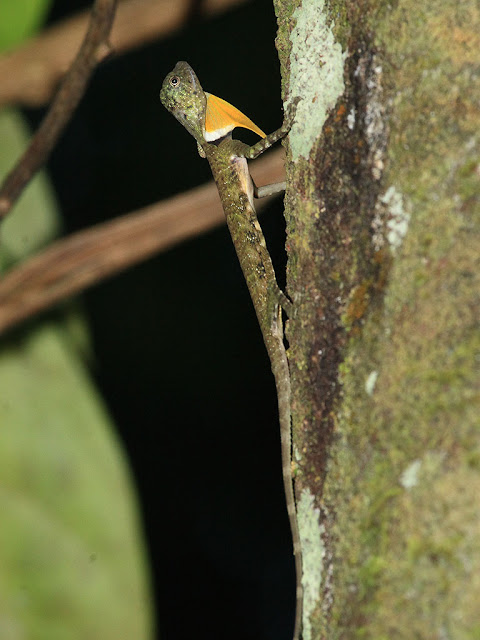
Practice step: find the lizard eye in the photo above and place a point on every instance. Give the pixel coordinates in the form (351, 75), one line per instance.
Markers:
(174, 81)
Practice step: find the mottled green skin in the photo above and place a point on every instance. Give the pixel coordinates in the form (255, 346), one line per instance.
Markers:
(184, 98)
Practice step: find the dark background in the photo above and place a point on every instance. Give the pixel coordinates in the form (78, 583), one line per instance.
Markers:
(178, 355)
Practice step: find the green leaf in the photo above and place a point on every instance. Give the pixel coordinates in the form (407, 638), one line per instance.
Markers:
(71, 550)
(34, 221)
(19, 19)
(72, 562)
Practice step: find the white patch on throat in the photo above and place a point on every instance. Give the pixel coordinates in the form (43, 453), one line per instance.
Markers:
(211, 136)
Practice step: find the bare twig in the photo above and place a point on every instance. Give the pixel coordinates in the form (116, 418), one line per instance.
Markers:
(94, 47)
(87, 257)
(29, 75)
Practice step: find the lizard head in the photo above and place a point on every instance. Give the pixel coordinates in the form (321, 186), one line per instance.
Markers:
(183, 96)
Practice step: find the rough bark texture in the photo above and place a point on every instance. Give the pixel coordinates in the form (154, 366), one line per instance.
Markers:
(384, 268)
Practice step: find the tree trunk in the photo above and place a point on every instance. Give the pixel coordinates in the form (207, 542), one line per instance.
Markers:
(383, 240)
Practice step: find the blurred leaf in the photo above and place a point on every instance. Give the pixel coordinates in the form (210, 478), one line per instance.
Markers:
(19, 19)
(71, 549)
(34, 221)
(70, 545)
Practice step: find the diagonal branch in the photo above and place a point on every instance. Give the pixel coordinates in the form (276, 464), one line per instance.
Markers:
(30, 74)
(94, 48)
(87, 257)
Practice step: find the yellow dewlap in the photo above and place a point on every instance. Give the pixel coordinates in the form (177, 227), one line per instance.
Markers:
(222, 117)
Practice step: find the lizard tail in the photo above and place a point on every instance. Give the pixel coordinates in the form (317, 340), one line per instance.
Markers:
(282, 382)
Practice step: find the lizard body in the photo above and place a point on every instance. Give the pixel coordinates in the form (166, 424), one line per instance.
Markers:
(211, 122)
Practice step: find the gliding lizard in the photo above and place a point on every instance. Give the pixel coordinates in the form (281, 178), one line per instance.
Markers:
(211, 120)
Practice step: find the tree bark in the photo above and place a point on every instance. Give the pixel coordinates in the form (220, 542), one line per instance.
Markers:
(383, 238)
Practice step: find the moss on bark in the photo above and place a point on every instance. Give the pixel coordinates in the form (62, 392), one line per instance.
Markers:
(383, 238)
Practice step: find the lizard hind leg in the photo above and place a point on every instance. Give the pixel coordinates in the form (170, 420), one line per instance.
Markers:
(284, 302)
(278, 301)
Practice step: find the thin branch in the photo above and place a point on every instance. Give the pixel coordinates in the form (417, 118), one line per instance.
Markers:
(30, 74)
(94, 47)
(87, 257)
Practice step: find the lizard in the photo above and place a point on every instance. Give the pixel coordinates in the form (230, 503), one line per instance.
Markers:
(211, 120)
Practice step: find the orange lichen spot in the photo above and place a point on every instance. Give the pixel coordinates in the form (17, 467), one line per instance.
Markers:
(341, 111)
(358, 303)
